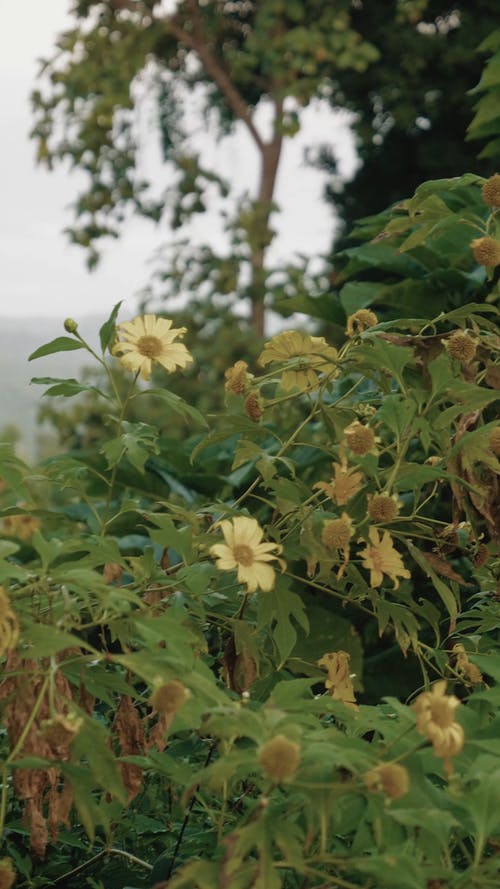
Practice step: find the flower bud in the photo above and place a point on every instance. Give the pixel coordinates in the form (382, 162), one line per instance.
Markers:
(389, 778)
(7, 873)
(170, 697)
(70, 325)
(279, 759)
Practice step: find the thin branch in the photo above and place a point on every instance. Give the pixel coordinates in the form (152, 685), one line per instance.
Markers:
(198, 42)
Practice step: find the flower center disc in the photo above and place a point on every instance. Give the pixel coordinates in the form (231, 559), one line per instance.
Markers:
(243, 555)
(149, 346)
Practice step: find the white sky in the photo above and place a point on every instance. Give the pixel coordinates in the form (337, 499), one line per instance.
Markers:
(40, 274)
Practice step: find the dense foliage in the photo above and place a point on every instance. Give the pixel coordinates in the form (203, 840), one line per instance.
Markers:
(264, 653)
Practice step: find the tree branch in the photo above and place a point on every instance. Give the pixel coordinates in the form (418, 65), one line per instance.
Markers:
(199, 44)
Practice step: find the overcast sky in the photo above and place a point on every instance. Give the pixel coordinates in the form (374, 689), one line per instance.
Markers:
(40, 273)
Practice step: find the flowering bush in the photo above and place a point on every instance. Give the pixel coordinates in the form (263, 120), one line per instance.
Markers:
(267, 656)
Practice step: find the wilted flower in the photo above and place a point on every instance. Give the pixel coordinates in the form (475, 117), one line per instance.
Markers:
(336, 533)
(491, 191)
(464, 666)
(237, 378)
(22, 526)
(360, 321)
(389, 778)
(339, 680)
(9, 627)
(461, 346)
(360, 439)
(381, 558)
(346, 483)
(279, 759)
(382, 507)
(60, 730)
(169, 697)
(253, 407)
(147, 339)
(486, 251)
(435, 719)
(315, 354)
(244, 551)
(494, 440)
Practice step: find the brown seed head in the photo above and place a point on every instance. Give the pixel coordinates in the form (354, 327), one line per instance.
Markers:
(491, 191)
(389, 778)
(253, 407)
(461, 346)
(382, 508)
(170, 697)
(360, 439)
(486, 251)
(360, 321)
(494, 440)
(279, 759)
(336, 533)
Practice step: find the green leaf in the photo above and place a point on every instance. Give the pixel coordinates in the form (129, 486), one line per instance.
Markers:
(65, 387)
(91, 745)
(60, 344)
(444, 592)
(275, 610)
(397, 413)
(45, 641)
(106, 331)
(177, 404)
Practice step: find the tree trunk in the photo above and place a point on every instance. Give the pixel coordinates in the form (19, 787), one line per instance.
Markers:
(270, 158)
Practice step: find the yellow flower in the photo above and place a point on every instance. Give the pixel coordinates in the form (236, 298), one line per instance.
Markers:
(169, 697)
(360, 439)
(279, 759)
(346, 482)
(9, 627)
(244, 551)
(21, 526)
(389, 778)
(491, 191)
(315, 355)
(382, 507)
(435, 719)
(360, 321)
(237, 378)
(486, 251)
(147, 339)
(339, 681)
(381, 558)
(461, 346)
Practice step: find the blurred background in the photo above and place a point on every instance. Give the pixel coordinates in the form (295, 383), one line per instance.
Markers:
(359, 134)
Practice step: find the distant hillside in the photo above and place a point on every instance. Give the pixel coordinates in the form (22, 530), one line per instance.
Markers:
(19, 400)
